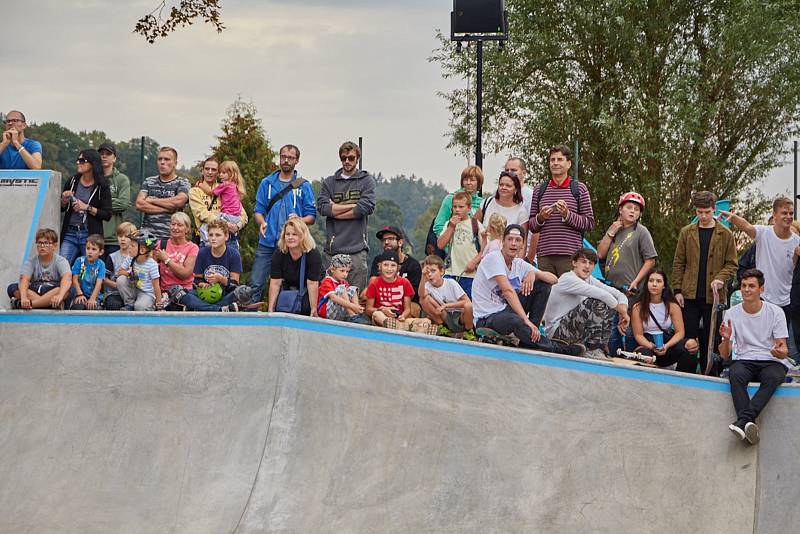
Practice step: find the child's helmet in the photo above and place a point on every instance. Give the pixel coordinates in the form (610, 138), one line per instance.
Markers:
(147, 239)
(211, 293)
(631, 196)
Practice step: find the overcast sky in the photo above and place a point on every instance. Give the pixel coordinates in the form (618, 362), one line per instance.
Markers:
(320, 72)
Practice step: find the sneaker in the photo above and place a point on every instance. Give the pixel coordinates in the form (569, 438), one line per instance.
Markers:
(176, 293)
(572, 349)
(469, 335)
(127, 307)
(442, 330)
(232, 307)
(751, 433)
(596, 354)
(737, 431)
(243, 294)
(15, 304)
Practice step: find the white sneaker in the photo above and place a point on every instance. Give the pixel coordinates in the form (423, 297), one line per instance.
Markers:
(737, 431)
(596, 354)
(751, 433)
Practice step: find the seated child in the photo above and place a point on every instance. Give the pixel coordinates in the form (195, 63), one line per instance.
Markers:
(138, 279)
(461, 238)
(443, 300)
(494, 233)
(44, 280)
(128, 248)
(389, 298)
(338, 300)
(88, 273)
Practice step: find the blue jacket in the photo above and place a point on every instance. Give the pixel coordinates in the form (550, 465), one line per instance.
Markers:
(300, 202)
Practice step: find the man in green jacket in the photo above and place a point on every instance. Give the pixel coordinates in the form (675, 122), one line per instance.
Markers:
(120, 186)
(705, 258)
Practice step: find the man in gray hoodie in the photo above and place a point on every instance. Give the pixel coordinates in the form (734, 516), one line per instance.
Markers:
(346, 199)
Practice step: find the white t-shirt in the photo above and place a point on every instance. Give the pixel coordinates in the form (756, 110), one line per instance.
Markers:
(449, 291)
(570, 291)
(754, 334)
(661, 313)
(775, 258)
(486, 295)
(514, 215)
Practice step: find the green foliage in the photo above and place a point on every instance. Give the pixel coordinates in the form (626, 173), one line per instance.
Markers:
(665, 97)
(154, 25)
(243, 140)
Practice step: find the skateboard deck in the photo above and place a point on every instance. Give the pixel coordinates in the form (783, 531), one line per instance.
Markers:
(487, 335)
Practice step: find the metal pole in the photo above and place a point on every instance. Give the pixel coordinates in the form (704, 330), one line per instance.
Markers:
(479, 109)
(141, 174)
(795, 179)
(360, 152)
(577, 158)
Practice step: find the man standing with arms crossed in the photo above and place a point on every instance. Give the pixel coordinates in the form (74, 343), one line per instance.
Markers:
(120, 186)
(162, 195)
(347, 199)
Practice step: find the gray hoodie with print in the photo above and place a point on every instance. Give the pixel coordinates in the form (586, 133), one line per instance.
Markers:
(347, 236)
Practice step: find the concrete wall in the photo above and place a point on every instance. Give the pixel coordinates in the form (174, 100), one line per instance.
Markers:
(28, 200)
(253, 423)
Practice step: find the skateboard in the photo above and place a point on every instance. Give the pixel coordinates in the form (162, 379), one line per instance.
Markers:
(487, 335)
(637, 357)
(711, 356)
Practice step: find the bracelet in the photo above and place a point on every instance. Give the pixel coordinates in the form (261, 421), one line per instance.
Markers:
(21, 148)
(610, 235)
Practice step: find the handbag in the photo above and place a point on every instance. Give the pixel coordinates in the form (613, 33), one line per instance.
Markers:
(291, 300)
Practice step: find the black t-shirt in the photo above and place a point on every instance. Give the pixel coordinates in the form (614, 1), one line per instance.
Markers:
(410, 269)
(705, 245)
(287, 269)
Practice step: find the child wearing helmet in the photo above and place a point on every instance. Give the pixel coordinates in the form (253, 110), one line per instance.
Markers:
(629, 253)
(138, 277)
(338, 300)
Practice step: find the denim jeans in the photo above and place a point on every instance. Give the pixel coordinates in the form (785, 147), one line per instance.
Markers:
(615, 341)
(195, 303)
(262, 263)
(73, 244)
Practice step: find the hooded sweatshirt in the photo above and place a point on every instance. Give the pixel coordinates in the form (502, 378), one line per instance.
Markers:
(347, 236)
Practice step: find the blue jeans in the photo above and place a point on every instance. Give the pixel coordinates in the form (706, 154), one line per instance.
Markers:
(195, 303)
(615, 341)
(262, 263)
(73, 244)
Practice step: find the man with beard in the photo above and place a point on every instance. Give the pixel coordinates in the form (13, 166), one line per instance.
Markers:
(281, 195)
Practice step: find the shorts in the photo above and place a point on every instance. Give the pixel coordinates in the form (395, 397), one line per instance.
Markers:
(452, 320)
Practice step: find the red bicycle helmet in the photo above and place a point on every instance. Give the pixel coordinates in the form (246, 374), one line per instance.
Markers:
(631, 196)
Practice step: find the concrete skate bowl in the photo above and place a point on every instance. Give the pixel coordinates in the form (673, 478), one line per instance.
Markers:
(213, 423)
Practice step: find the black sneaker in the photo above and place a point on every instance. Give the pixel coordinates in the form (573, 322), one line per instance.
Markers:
(176, 293)
(751, 433)
(15, 303)
(232, 307)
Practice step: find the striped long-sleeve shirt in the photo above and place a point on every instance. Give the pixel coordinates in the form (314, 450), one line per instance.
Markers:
(557, 236)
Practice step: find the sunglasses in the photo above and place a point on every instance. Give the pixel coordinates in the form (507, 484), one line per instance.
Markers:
(81, 161)
(347, 158)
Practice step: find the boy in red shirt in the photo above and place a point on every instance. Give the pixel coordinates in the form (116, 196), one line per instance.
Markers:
(389, 298)
(338, 300)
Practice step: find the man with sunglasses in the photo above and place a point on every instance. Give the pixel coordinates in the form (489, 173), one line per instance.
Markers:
(17, 152)
(346, 199)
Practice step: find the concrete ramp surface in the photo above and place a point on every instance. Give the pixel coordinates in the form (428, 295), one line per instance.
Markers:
(206, 423)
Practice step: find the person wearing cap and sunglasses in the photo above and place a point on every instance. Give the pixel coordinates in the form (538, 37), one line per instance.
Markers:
(347, 199)
(17, 152)
(630, 254)
(120, 186)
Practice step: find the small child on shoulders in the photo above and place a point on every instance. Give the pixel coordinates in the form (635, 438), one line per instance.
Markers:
(138, 280)
(389, 298)
(463, 240)
(494, 233)
(88, 273)
(231, 190)
(443, 299)
(45, 279)
(128, 249)
(338, 300)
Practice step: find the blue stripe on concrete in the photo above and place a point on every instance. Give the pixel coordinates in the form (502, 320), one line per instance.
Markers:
(375, 334)
(44, 184)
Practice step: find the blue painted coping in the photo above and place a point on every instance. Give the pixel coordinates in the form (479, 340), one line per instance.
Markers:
(44, 183)
(337, 328)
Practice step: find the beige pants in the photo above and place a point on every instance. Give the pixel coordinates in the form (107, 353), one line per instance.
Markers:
(410, 324)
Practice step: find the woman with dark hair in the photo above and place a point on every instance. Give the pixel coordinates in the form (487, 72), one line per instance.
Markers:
(507, 201)
(86, 203)
(657, 323)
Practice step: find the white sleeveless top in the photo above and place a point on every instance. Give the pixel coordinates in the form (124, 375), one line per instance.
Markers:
(661, 312)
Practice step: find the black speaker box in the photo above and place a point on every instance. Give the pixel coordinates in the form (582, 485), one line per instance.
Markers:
(478, 16)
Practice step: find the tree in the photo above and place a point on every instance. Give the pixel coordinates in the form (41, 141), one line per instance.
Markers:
(665, 97)
(154, 25)
(243, 140)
